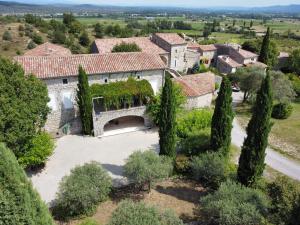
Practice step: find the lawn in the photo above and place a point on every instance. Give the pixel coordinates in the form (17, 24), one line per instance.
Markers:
(180, 195)
(285, 134)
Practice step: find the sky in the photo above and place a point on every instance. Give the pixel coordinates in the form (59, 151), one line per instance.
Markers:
(174, 3)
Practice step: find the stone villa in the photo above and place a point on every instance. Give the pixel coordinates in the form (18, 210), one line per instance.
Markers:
(161, 52)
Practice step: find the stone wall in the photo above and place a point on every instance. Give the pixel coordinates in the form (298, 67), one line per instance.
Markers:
(99, 121)
(192, 58)
(62, 96)
(199, 102)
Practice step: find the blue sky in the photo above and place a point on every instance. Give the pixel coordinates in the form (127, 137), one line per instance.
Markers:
(183, 3)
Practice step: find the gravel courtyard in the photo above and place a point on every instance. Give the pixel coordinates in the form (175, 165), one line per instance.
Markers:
(75, 150)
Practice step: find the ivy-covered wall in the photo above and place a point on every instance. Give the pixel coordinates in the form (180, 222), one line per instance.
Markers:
(122, 94)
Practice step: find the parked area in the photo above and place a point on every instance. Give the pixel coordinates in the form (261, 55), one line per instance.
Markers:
(75, 150)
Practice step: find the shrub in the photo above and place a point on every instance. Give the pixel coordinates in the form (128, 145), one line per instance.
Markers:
(143, 168)
(139, 213)
(89, 221)
(233, 204)
(295, 79)
(126, 47)
(81, 191)
(195, 143)
(282, 111)
(84, 39)
(31, 45)
(209, 168)
(284, 194)
(37, 38)
(38, 150)
(193, 121)
(19, 202)
(182, 163)
(7, 36)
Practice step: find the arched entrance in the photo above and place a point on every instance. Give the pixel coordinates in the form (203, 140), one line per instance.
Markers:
(124, 124)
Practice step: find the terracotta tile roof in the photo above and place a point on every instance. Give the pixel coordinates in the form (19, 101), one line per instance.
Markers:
(106, 45)
(171, 38)
(246, 54)
(193, 45)
(206, 48)
(226, 59)
(197, 84)
(256, 64)
(48, 49)
(64, 66)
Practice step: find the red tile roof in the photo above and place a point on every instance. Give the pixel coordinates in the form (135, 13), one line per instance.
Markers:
(226, 59)
(146, 45)
(246, 54)
(48, 49)
(64, 66)
(171, 38)
(206, 48)
(197, 84)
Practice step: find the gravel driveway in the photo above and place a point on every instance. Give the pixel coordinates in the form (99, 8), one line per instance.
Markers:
(75, 150)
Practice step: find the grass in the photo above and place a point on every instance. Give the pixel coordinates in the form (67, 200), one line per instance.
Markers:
(284, 136)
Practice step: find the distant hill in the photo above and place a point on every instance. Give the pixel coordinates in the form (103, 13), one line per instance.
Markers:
(16, 7)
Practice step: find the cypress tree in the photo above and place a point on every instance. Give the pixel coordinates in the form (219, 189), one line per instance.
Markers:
(264, 51)
(252, 159)
(167, 119)
(222, 119)
(19, 203)
(84, 101)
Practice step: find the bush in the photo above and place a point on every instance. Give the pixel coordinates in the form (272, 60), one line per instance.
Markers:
(31, 45)
(84, 39)
(182, 163)
(126, 47)
(7, 36)
(38, 150)
(233, 204)
(209, 168)
(284, 194)
(282, 111)
(81, 191)
(193, 121)
(37, 38)
(143, 168)
(195, 143)
(89, 221)
(295, 79)
(139, 213)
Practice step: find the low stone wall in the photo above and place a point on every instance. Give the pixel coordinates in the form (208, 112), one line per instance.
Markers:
(199, 102)
(104, 117)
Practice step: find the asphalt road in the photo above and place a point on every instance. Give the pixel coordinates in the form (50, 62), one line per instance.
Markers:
(273, 159)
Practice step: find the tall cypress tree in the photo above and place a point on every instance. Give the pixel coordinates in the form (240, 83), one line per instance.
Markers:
(252, 159)
(19, 203)
(84, 101)
(222, 119)
(167, 119)
(264, 51)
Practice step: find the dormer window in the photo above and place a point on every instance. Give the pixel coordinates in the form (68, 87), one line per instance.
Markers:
(65, 81)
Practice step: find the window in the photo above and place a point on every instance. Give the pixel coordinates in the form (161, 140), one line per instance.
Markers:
(67, 99)
(138, 77)
(175, 63)
(176, 51)
(65, 81)
(106, 80)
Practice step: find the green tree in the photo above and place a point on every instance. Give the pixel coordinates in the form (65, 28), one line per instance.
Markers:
(222, 119)
(251, 24)
(84, 39)
(68, 19)
(84, 101)
(7, 36)
(126, 47)
(99, 30)
(167, 119)
(144, 168)
(23, 106)
(31, 45)
(38, 39)
(265, 47)
(19, 203)
(294, 61)
(75, 28)
(59, 37)
(252, 159)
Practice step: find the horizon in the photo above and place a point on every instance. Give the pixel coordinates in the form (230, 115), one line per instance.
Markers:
(165, 3)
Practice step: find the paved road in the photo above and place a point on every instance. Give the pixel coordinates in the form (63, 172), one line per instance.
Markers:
(273, 159)
(74, 150)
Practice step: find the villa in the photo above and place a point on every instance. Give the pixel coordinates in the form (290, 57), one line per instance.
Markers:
(160, 52)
